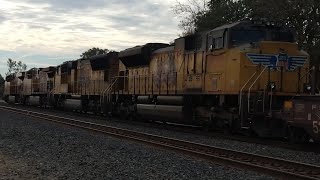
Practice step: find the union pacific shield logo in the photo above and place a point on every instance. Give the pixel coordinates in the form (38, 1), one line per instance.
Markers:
(273, 61)
(283, 61)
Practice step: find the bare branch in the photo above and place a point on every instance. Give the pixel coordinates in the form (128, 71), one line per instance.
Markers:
(188, 13)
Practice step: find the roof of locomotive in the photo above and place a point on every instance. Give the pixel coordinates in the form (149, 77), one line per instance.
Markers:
(139, 55)
(223, 27)
(13, 76)
(139, 49)
(103, 56)
(48, 69)
(170, 48)
(251, 23)
(103, 61)
(228, 26)
(10, 77)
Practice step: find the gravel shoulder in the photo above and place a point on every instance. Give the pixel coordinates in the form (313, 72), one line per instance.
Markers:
(304, 157)
(34, 149)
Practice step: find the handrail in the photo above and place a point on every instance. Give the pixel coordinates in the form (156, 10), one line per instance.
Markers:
(102, 94)
(50, 93)
(306, 73)
(241, 91)
(110, 88)
(264, 98)
(104, 90)
(253, 85)
(270, 105)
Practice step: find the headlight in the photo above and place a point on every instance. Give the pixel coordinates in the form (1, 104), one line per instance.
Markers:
(307, 88)
(272, 85)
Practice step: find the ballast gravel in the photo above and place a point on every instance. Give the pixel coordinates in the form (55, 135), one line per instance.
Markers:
(35, 149)
(260, 149)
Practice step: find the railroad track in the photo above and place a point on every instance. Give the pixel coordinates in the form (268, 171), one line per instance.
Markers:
(279, 143)
(263, 164)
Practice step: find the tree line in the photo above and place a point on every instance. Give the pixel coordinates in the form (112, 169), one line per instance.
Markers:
(304, 16)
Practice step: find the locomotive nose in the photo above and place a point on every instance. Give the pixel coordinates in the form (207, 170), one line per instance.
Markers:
(268, 47)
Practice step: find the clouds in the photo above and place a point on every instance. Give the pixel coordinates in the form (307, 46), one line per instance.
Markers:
(74, 5)
(54, 28)
(2, 18)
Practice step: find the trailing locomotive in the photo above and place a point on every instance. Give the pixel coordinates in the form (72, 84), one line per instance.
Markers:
(237, 77)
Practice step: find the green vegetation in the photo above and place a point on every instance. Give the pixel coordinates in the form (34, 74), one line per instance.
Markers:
(1, 85)
(15, 66)
(304, 16)
(93, 51)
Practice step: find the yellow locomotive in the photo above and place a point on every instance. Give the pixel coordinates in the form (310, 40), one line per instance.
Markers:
(235, 76)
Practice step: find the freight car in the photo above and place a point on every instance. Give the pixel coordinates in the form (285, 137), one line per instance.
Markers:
(303, 117)
(303, 112)
(237, 77)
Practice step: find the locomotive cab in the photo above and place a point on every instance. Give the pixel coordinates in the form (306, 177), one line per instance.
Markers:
(253, 61)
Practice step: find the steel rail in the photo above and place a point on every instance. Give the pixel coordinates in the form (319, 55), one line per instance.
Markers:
(268, 165)
(186, 128)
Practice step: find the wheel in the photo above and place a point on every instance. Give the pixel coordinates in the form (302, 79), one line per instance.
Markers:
(124, 115)
(291, 135)
(227, 130)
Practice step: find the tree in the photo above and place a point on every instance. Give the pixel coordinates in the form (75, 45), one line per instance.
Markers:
(221, 12)
(15, 66)
(304, 16)
(189, 14)
(1, 85)
(93, 51)
(200, 15)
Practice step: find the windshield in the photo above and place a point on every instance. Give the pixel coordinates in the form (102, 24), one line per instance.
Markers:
(282, 36)
(239, 37)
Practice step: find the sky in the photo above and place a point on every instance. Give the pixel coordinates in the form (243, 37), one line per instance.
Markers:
(41, 33)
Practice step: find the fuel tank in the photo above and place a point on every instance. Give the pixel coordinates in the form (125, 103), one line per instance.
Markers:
(143, 99)
(161, 112)
(170, 100)
(34, 100)
(72, 104)
(75, 96)
(12, 99)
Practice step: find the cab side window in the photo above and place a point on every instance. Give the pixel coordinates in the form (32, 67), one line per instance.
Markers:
(218, 43)
(209, 43)
(215, 43)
